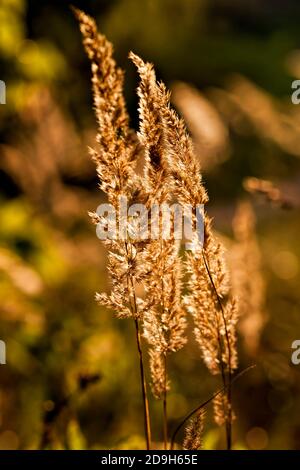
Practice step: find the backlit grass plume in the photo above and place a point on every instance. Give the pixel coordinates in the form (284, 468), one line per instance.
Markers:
(194, 431)
(164, 317)
(209, 300)
(115, 161)
(152, 264)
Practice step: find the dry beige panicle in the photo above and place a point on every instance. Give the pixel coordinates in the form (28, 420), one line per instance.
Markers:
(164, 319)
(115, 161)
(171, 172)
(209, 300)
(194, 431)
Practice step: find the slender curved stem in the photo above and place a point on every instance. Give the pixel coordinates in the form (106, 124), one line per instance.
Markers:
(165, 410)
(228, 385)
(147, 424)
(205, 403)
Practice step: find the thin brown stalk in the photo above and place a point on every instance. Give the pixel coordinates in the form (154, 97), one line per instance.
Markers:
(165, 409)
(147, 424)
(147, 421)
(165, 393)
(227, 384)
